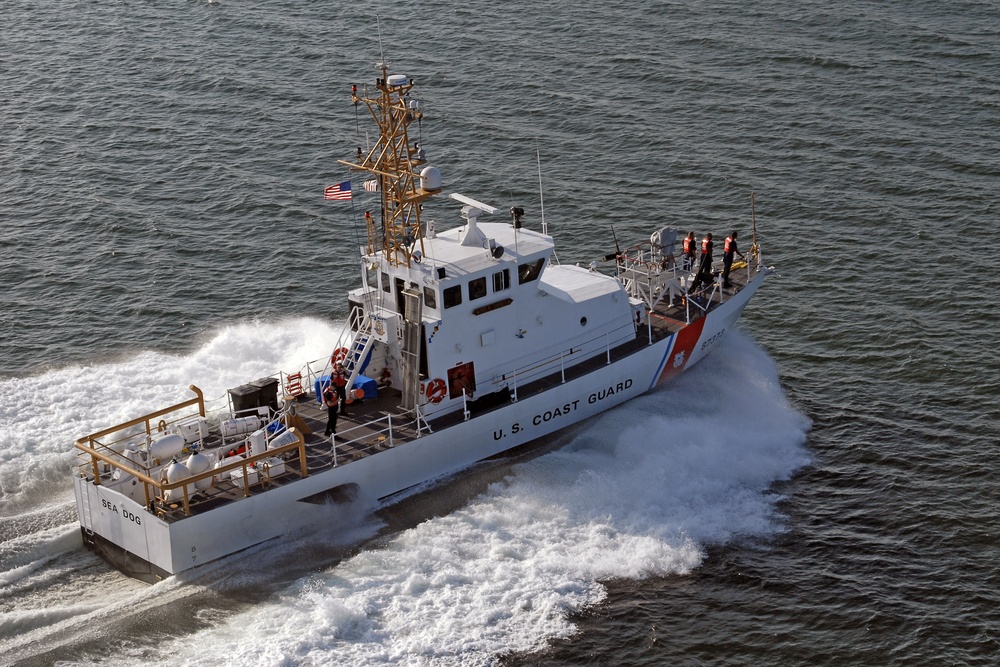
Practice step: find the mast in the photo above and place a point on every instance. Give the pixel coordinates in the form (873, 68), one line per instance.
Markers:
(394, 161)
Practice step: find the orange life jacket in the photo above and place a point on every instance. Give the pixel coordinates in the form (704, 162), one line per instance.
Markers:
(330, 397)
(688, 245)
(705, 243)
(729, 245)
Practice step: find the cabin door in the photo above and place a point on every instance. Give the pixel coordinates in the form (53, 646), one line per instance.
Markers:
(412, 310)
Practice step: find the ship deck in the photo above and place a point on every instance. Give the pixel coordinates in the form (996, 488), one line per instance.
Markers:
(362, 430)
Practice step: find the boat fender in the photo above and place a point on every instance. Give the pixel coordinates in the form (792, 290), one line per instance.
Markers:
(166, 447)
(436, 390)
(177, 471)
(339, 355)
(199, 463)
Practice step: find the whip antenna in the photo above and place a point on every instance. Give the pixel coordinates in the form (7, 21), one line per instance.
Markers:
(378, 29)
(541, 198)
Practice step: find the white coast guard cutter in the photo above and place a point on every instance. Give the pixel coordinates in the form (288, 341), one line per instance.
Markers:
(461, 344)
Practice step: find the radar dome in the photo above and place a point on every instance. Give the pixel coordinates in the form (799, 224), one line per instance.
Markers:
(430, 179)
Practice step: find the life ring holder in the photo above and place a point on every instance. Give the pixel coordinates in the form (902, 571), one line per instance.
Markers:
(338, 355)
(436, 389)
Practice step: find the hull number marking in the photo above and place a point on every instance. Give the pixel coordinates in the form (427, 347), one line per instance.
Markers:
(709, 342)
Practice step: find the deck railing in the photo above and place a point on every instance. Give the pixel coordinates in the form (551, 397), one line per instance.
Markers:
(559, 361)
(96, 449)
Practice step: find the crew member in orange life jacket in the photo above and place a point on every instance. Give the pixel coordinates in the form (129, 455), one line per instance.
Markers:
(728, 250)
(706, 256)
(339, 381)
(704, 274)
(687, 259)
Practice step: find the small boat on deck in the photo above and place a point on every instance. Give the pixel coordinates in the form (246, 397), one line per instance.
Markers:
(461, 343)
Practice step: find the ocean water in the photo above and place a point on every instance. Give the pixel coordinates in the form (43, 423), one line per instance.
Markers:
(819, 491)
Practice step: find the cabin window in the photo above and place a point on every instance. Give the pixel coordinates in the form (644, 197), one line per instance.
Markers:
(477, 288)
(452, 296)
(386, 283)
(430, 298)
(528, 272)
(501, 280)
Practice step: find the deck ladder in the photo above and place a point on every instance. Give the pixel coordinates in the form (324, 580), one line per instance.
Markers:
(85, 517)
(362, 344)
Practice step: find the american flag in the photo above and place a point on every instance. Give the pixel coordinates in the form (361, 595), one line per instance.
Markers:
(338, 192)
(372, 185)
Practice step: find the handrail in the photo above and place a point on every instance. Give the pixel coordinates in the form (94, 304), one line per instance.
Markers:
(163, 486)
(537, 367)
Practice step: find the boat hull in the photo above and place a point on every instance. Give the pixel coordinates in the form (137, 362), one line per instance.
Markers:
(149, 548)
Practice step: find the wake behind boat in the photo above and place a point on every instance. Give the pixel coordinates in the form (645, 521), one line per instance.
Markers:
(460, 344)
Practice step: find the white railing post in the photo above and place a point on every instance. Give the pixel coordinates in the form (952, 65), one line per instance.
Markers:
(420, 419)
(391, 442)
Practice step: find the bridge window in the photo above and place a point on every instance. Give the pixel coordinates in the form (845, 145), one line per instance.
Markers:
(528, 272)
(452, 296)
(477, 288)
(430, 297)
(501, 280)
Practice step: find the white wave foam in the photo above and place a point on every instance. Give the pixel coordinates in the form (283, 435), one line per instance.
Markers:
(41, 415)
(21, 557)
(642, 491)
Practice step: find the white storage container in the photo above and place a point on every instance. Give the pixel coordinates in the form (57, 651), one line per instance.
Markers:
(237, 476)
(258, 442)
(239, 426)
(282, 439)
(275, 466)
(192, 430)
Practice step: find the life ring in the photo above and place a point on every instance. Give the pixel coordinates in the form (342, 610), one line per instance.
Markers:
(436, 390)
(339, 355)
(162, 426)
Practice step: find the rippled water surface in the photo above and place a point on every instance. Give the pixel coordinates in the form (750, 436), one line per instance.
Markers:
(820, 491)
